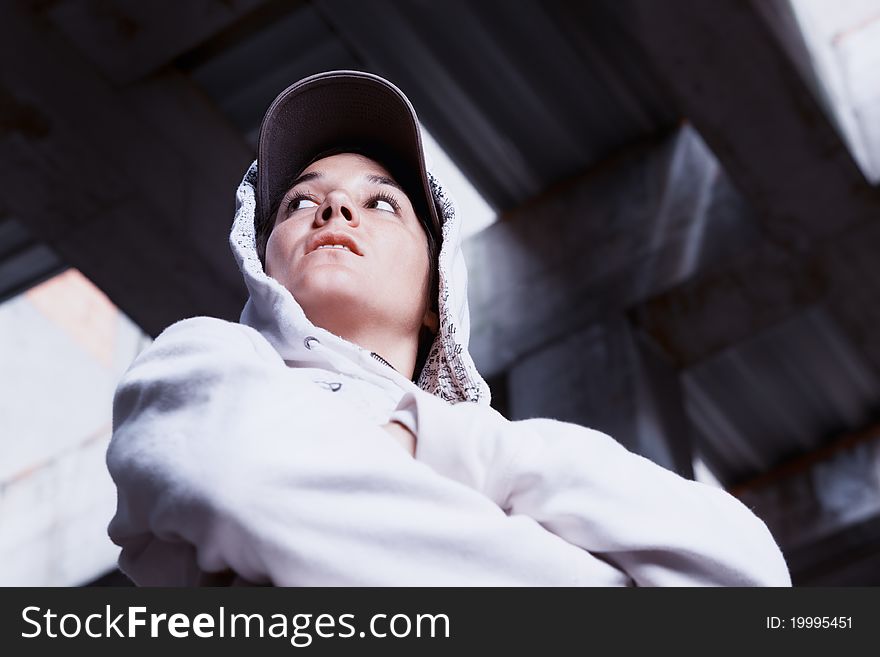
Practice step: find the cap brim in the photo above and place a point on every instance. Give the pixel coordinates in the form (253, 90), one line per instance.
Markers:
(348, 109)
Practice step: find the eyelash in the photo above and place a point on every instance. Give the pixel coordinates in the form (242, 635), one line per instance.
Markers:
(296, 198)
(382, 196)
(378, 196)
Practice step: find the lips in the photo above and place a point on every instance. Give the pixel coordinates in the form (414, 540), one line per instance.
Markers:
(328, 238)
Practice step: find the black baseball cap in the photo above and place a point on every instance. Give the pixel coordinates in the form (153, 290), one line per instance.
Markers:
(336, 111)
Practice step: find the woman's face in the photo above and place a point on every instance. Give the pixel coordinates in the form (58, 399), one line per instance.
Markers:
(348, 245)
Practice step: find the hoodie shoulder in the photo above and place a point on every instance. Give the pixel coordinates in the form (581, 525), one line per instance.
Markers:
(213, 330)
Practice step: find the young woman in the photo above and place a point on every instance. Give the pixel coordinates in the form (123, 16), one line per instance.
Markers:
(339, 434)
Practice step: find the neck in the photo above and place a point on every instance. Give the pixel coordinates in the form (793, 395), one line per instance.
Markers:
(399, 350)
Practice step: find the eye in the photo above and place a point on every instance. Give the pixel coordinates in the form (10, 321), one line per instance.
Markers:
(300, 202)
(383, 202)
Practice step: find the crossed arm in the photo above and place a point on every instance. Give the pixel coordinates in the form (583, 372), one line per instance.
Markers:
(582, 485)
(222, 464)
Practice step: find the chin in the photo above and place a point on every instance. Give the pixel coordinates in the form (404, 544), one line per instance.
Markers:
(331, 287)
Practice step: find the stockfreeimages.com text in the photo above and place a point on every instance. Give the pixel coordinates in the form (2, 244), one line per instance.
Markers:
(300, 629)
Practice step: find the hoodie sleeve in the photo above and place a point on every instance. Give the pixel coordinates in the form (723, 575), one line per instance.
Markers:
(223, 463)
(582, 485)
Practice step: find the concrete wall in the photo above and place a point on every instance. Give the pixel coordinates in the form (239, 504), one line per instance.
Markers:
(64, 348)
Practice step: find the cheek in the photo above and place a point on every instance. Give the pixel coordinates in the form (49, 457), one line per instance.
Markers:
(281, 247)
(272, 257)
(413, 263)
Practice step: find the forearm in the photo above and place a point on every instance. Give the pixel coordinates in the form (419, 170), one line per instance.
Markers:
(663, 529)
(583, 486)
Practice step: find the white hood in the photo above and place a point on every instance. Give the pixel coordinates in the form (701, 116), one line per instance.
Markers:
(271, 309)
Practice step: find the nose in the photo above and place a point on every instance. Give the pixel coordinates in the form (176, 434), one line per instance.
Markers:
(337, 204)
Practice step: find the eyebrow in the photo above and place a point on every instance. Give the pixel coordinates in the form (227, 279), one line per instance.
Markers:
(311, 175)
(384, 180)
(376, 180)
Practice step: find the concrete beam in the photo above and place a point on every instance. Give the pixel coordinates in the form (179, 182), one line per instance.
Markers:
(592, 247)
(772, 252)
(709, 314)
(135, 188)
(128, 39)
(824, 510)
(764, 120)
(455, 115)
(713, 312)
(737, 72)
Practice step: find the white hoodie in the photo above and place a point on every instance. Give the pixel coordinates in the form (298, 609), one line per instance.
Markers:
(258, 447)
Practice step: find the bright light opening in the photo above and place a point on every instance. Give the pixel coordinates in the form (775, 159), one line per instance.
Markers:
(474, 212)
(844, 40)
